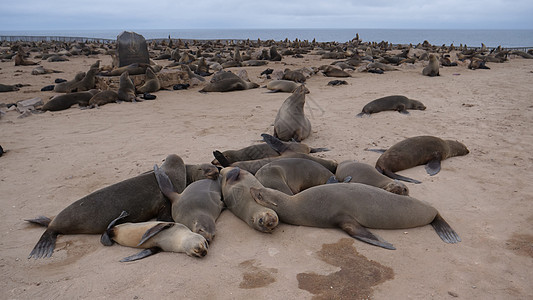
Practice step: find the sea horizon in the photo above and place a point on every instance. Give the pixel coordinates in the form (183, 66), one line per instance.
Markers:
(508, 38)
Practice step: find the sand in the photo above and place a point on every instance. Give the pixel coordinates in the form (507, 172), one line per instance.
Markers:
(55, 158)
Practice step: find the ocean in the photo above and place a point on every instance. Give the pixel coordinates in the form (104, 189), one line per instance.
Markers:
(472, 38)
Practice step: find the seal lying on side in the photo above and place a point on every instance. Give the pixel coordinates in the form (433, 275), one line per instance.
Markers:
(433, 68)
(139, 196)
(198, 207)
(416, 151)
(292, 175)
(69, 86)
(395, 102)
(353, 207)
(291, 122)
(367, 174)
(103, 98)
(286, 86)
(154, 236)
(8, 88)
(236, 185)
(228, 85)
(65, 101)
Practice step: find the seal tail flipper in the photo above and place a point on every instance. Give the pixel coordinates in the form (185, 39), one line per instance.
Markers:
(45, 246)
(361, 114)
(332, 179)
(399, 177)
(316, 150)
(142, 254)
(222, 160)
(106, 238)
(165, 185)
(153, 231)
(274, 143)
(444, 230)
(433, 166)
(40, 220)
(376, 150)
(359, 232)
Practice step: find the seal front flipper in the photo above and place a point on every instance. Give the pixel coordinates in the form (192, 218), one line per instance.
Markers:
(153, 231)
(274, 143)
(165, 185)
(106, 238)
(332, 179)
(45, 246)
(433, 166)
(376, 150)
(444, 230)
(316, 150)
(142, 254)
(355, 230)
(221, 158)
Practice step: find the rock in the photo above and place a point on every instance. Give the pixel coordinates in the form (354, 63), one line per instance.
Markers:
(131, 48)
(30, 102)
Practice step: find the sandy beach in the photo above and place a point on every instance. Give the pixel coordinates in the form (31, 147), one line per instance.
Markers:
(55, 158)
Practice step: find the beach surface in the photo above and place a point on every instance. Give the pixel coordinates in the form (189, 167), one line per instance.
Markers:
(55, 158)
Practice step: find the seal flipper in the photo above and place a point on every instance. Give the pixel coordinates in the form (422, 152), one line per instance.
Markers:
(316, 150)
(45, 246)
(165, 185)
(221, 158)
(444, 230)
(153, 231)
(361, 114)
(40, 220)
(376, 150)
(355, 230)
(274, 143)
(106, 238)
(142, 254)
(398, 177)
(433, 166)
(332, 179)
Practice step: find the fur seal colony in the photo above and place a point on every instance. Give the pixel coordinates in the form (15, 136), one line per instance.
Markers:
(235, 181)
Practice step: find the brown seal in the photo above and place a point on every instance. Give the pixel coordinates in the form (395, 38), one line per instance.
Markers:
(88, 82)
(103, 98)
(62, 102)
(21, 61)
(331, 71)
(433, 68)
(395, 102)
(285, 86)
(132, 69)
(69, 86)
(198, 207)
(236, 185)
(151, 83)
(139, 196)
(416, 151)
(295, 76)
(367, 174)
(229, 84)
(126, 89)
(291, 122)
(8, 88)
(292, 175)
(353, 207)
(154, 236)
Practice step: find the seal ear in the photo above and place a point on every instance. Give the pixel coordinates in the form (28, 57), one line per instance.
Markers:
(258, 197)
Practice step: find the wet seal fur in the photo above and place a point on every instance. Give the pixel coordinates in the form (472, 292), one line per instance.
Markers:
(395, 102)
(236, 185)
(354, 207)
(139, 196)
(416, 151)
(154, 236)
(367, 174)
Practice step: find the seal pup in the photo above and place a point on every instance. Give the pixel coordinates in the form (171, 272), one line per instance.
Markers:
(433, 68)
(69, 86)
(235, 184)
(291, 122)
(292, 175)
(154, 236)
(198, 207)
(367, 174)
(354, 207)
(102, 98)
(395, 102)
(285, 86)
(65, 101)
(200, 171)
(151, 83)
(126, 89)
(139, 196)
(416, 151)
(228, 85)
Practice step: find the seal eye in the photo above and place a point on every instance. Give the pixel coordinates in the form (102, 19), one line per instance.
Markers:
(260, 220)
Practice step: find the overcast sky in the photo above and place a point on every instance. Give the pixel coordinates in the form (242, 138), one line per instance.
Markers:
(175, 14)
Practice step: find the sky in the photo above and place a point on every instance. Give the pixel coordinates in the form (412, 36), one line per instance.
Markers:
(231, 14)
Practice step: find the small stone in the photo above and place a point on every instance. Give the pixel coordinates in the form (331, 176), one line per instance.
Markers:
(453, 294)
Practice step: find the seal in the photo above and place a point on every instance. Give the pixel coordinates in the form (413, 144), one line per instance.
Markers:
(132, 69)
(367, 174)
(395, 102)
(292, 175)
(295, 76)
(62, 102)
(102, 98)
(69, 86)
(88, 82)
(154, 236)
(198, 207)
(151, 83)
(354, 207)
(433, 68)
(200, 171)
(331, 71)
(21, 61)
(265, 150)
(291, 122)
(126, 89)
(139, 196)
(8, 88)
(285, 86)
(228, 85)
(416, 151)
(236, 184)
